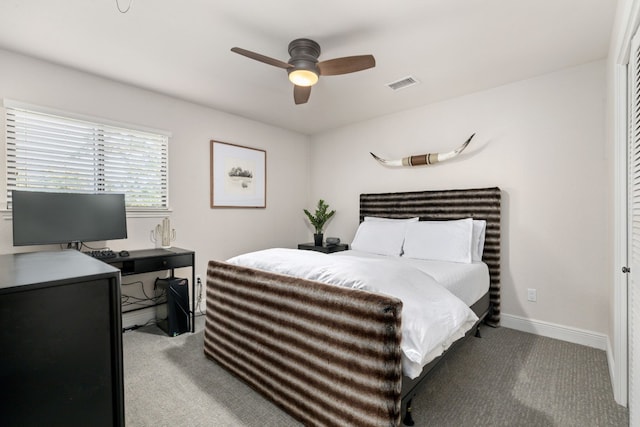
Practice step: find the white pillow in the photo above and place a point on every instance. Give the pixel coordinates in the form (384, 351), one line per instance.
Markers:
(379, 218)
(380, 237)
(477, 240)
(439, 240)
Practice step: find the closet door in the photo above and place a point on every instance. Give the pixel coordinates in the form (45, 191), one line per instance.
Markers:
(634, 233)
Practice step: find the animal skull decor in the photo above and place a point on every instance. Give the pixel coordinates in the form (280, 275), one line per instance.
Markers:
(424, 159)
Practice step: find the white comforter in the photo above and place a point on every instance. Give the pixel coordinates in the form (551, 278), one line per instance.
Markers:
(432, 317)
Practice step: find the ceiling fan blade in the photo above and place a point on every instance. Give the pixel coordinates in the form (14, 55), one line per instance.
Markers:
(301, 94)
(261, 58)
(348, 64)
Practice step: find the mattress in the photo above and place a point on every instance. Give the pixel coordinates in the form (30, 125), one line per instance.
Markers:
(468, 282)
(433, 318)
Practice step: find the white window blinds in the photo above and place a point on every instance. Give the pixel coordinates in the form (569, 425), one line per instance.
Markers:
(47, 152)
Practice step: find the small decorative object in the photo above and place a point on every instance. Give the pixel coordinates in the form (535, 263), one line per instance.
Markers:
(424, 159)
(163, 234)
(332, 241)
(319, 219)
(238, 176)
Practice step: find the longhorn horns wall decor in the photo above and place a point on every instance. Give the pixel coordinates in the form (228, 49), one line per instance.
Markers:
(424, 159)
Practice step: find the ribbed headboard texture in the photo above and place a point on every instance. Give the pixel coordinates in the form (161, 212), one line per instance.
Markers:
(480, 203)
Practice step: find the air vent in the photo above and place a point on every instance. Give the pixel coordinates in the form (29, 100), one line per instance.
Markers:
(403, 83)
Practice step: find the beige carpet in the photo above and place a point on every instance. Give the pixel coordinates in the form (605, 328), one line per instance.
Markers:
(506, 378)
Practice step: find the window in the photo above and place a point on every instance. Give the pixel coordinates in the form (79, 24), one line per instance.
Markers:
(51, 152)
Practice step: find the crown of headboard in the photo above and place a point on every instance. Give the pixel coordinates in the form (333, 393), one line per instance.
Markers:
(480, 203)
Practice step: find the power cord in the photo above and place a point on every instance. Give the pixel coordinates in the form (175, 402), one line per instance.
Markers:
(134, 327)
(199, 299)
(83, 245)
(128, 300)
(120, 9)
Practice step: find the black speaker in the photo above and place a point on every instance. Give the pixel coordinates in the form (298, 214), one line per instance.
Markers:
(176, 319)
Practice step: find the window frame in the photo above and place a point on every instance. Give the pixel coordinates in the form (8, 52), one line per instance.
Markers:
(132, 211)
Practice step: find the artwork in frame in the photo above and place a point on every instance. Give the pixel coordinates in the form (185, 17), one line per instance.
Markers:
(238, 176)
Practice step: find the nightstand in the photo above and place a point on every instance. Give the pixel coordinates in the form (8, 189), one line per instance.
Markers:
(327, 249)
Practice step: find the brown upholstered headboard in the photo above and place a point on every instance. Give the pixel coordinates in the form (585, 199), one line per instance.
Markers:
(480, 203)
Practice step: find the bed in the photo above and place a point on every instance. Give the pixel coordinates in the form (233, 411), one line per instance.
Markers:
(331, 355)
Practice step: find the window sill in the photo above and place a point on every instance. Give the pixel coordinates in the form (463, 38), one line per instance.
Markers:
(131, 213)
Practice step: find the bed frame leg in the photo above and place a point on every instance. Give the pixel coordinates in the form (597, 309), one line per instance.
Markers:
(478, 335)
(408, 419)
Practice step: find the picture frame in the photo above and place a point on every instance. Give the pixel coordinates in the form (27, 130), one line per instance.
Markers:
(238, 176)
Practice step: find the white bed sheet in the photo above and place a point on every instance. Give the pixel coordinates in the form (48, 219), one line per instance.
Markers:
(469, 282)
(432, 317)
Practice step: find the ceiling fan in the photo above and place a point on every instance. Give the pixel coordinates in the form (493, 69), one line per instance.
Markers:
(304, 69)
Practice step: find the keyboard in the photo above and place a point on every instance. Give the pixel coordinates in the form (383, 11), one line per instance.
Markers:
(102, 254)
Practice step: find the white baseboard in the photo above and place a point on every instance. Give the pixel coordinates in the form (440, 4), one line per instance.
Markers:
(612, 374)
(560, 332)
(139, 317)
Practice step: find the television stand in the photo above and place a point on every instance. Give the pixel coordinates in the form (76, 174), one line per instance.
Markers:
(149, 260)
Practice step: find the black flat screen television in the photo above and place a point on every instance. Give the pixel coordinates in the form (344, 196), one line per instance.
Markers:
(42, 218)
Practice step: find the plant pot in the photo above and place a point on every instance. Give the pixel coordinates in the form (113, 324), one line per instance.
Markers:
(317, 239)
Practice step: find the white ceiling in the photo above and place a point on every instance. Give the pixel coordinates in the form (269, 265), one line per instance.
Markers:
(182, 48)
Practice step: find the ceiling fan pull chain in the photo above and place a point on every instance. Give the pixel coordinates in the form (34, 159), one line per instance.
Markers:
(128, 7)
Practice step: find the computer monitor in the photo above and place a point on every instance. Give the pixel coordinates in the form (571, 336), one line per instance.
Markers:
(42, 218)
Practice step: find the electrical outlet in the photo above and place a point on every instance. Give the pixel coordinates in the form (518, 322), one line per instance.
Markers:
(532, 295)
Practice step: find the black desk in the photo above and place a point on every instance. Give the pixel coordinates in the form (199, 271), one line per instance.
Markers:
(149, 260)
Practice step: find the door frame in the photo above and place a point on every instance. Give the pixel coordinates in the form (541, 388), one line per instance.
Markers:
(627, 21)
(618, 367)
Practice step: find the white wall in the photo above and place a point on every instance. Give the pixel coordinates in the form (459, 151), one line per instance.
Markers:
(542, 142)
(212, 233)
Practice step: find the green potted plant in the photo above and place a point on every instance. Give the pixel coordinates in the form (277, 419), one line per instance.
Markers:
(319, 219)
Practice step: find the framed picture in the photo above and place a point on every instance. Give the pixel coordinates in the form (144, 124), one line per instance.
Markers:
(238, 176)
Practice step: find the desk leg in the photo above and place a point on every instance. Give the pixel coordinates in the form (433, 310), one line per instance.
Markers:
(193, 294)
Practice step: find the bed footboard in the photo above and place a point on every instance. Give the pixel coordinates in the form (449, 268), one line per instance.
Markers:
(326, 355)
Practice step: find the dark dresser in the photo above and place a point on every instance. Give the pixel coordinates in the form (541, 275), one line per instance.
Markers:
(61, 341)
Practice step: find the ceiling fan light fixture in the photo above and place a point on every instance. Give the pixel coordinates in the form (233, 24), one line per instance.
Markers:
(303, 77)
(303, 67)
